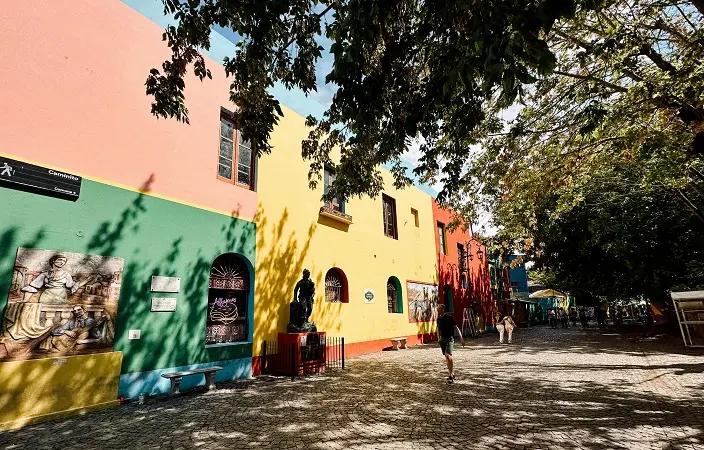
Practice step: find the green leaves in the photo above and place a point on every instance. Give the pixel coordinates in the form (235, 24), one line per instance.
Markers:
(402, 69)
(595, 166)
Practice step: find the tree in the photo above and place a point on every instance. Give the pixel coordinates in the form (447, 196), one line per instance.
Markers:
(620, 243)
(404, 69)
(628, 88)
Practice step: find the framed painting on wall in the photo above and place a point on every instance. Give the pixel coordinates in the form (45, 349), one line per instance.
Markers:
(422, 301)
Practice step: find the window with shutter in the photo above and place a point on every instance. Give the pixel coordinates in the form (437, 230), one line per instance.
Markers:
(389, 211)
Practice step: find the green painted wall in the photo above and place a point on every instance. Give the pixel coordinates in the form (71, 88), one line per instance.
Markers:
(155, 237)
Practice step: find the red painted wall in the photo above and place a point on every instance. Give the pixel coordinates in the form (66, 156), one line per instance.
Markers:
(478, 291)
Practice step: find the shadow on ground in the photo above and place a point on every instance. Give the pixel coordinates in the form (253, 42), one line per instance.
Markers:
(544, 392)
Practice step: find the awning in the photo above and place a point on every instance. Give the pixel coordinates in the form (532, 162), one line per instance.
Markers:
(687, 295)
(547, 293)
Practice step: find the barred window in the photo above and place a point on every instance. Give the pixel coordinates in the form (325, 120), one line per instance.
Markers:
(228, 297)
(335, 286)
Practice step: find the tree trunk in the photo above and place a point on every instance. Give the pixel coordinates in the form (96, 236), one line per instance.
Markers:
(699, 4)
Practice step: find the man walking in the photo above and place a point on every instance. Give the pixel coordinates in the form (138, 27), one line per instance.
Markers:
(446, 337)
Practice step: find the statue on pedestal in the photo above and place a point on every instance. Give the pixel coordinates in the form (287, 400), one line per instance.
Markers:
(302, 306)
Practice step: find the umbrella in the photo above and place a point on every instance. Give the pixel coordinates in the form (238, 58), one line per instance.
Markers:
(547, 293)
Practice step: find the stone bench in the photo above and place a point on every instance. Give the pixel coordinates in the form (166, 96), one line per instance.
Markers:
(175, 377)
(399, 342)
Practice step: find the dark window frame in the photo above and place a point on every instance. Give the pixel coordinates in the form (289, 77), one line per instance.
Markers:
(389, 203)
(442, 238)
(461, 257)
(234, 161)
(329, 172)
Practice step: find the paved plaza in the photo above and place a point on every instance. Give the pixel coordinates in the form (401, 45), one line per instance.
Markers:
(551, 389)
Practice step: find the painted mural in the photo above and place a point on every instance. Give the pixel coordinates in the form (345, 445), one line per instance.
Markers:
(60, 304)
(422, 301)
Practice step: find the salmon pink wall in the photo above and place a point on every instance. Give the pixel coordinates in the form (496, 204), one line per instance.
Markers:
(478, 291)
(73, 98)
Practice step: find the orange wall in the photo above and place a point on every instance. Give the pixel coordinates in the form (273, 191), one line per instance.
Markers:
(478, 290)
(77, 75)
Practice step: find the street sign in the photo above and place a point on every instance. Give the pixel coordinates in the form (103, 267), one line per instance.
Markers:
(28, 177)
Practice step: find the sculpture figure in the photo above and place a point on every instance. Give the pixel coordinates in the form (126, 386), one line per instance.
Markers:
(302, 305)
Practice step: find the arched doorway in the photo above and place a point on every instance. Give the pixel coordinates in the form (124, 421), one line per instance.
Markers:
(394, 295)
(228, 300)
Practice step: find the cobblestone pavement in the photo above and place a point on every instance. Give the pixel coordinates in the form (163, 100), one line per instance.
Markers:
(550, 389)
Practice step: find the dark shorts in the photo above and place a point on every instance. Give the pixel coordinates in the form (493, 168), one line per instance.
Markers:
(447, 345)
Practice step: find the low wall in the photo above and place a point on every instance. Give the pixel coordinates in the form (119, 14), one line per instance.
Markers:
(41, 389)
(152, 383)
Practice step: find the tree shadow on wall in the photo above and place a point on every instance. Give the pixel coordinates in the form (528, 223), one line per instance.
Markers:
(176, 338)
(148, 248)
(476, 295)
(480, 286)
(280, 264)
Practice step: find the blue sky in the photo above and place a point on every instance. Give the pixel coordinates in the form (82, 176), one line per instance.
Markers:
(223, 42)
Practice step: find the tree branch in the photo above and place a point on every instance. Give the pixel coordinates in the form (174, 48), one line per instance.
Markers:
(574, 40)
(290, 41)
(699, 4)
(698, 173)
(632, 75)
(684, 16)
(658, 60)
(613, 86)
(691, 205)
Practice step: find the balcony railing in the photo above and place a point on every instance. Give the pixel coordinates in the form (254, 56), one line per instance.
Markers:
(332, 213)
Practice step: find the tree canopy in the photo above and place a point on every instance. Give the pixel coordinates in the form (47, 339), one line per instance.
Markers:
(599, 178)
(404, 69)
(628, 87)
(611, 121)
(621, 243)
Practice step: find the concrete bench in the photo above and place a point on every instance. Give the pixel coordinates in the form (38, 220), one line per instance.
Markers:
(399, 342)
(175, 377)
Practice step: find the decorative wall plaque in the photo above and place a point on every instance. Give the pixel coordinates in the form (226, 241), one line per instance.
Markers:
(163, 304)
(166, 284)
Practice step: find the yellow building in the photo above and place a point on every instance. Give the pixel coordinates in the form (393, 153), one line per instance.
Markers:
(186, 206)
(293, 234)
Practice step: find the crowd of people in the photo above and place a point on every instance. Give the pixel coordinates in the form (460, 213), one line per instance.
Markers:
(505, 325)
(561, 317)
